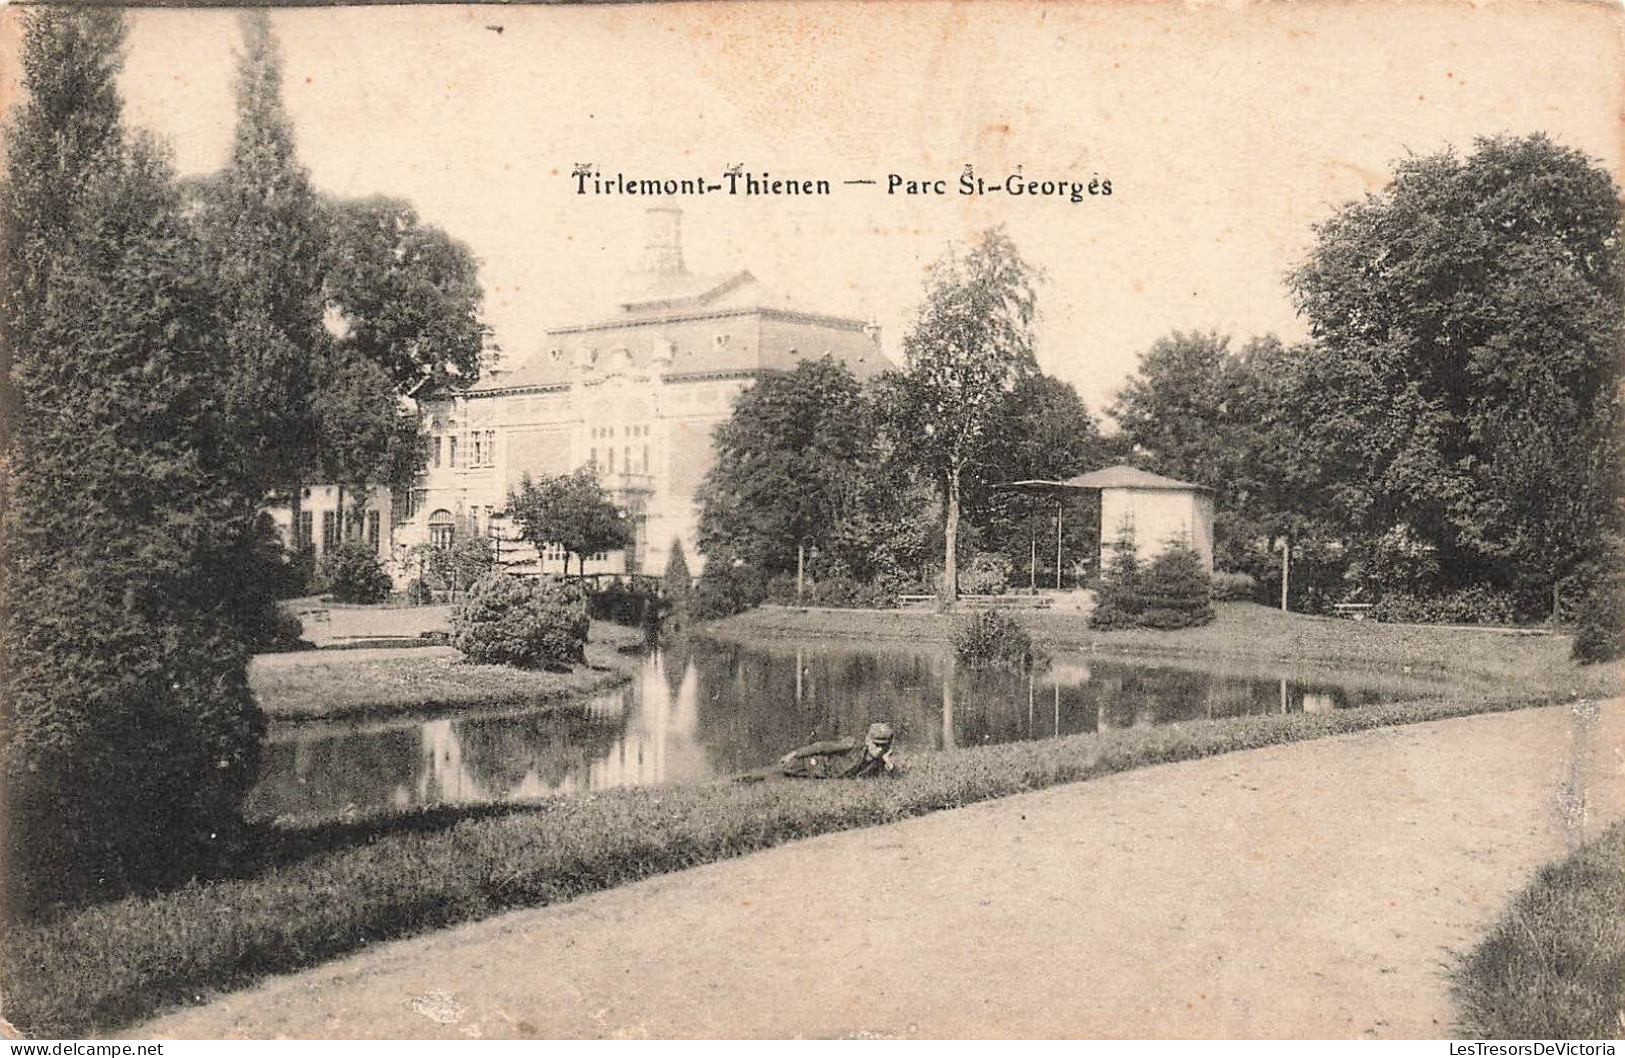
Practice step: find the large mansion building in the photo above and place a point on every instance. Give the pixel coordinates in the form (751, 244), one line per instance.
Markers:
(635, 395)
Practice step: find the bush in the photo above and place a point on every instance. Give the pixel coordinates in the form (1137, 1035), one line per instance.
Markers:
(284, 635)
(993, 639)
(627, 604)
(1475, 605)
(1174, 591)
(1177, 590)
(1118, 601)
(987, 573)
(419, 593)
(1599, 636)
(353, 573)
(844, 591)
(505, 620)
(1234, 587)
(726, 589)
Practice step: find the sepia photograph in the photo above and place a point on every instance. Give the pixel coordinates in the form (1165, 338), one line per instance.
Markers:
(814, 519)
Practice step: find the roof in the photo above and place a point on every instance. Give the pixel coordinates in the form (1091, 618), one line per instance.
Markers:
(1124, 476)
(675, 298)
(1121, 476)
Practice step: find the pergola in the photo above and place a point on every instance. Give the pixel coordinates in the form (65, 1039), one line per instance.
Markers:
(1059, 491)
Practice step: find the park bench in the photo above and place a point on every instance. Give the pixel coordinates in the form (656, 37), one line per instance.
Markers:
(1354, 611)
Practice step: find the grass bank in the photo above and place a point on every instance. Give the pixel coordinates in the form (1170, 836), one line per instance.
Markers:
(103, 967)
(1514, 659)
(324, 685)
(1554, 966)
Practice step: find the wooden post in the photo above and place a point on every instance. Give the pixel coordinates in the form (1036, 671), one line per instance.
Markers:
(1286, 569)
(801, 568)
(1032, 563)
(1057, 545)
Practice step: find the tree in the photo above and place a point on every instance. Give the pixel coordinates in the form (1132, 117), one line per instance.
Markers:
(572, 511)
(787, 466)
(969, 347)
(131, 734)
(1233, 420)
(678, 584)
(1044, 433)
(404, 299)
(407, 293)
(265, 240)
(336, 311)
(1469, 318)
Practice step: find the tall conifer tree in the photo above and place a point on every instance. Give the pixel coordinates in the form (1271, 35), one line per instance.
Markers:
(130, 733)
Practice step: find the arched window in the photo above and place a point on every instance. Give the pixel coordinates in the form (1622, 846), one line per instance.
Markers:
(442, 528)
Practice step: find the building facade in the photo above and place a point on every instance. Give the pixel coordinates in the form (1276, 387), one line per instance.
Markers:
(1156, 510)
(329, 515)
(636, 395)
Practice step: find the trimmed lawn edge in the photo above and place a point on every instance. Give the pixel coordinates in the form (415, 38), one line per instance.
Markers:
(1553, 967)
(473, 701)
(106, 966)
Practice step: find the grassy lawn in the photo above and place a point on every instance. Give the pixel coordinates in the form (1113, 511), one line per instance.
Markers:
(1554, 967)
(325, 892)
(321, 685)
(1517, 660)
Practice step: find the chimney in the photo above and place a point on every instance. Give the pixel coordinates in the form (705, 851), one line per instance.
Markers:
(663, 242)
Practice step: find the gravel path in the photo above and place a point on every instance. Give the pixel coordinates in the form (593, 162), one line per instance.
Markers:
(1311, 890)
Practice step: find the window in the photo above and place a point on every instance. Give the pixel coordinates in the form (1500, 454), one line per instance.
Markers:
(435, 452)
(330, 530)
(452, 453)
(611, 455)
(645, 459)
(479, 450)
(442, 530)
(305, 533)
(490, 448)
(374, 527)
(626, 458)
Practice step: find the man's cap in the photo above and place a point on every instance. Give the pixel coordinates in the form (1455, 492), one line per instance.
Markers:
(880, 734)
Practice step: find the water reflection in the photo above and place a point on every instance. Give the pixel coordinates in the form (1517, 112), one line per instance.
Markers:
(700, 710)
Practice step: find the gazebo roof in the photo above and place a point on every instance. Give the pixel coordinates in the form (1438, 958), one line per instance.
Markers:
(1121, 476)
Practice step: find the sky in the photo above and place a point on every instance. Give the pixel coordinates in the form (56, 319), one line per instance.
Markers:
(1226, 131)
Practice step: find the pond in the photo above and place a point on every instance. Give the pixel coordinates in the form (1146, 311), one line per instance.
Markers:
(701, 710)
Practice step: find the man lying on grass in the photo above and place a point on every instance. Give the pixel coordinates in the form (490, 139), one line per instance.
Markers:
(841, 758)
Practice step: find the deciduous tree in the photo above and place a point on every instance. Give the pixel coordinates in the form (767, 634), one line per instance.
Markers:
(970, 345)
(570, 510)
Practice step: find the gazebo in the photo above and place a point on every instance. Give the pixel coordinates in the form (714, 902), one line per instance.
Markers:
(1155, 510)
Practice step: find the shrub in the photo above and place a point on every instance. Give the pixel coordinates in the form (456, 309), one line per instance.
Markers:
(1177, 590)
(419, 593)
(993, 639)
(285, 633)
(726, 589)
(627, 604)
(353, 573)
(1599, 636)
(1234, 587)
(505, 620)
(1118, 599)
(1475, 605)
(987, 573)
(844, 591)
(1174, 591)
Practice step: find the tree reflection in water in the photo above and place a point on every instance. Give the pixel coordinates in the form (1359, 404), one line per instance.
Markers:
(700, 709)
